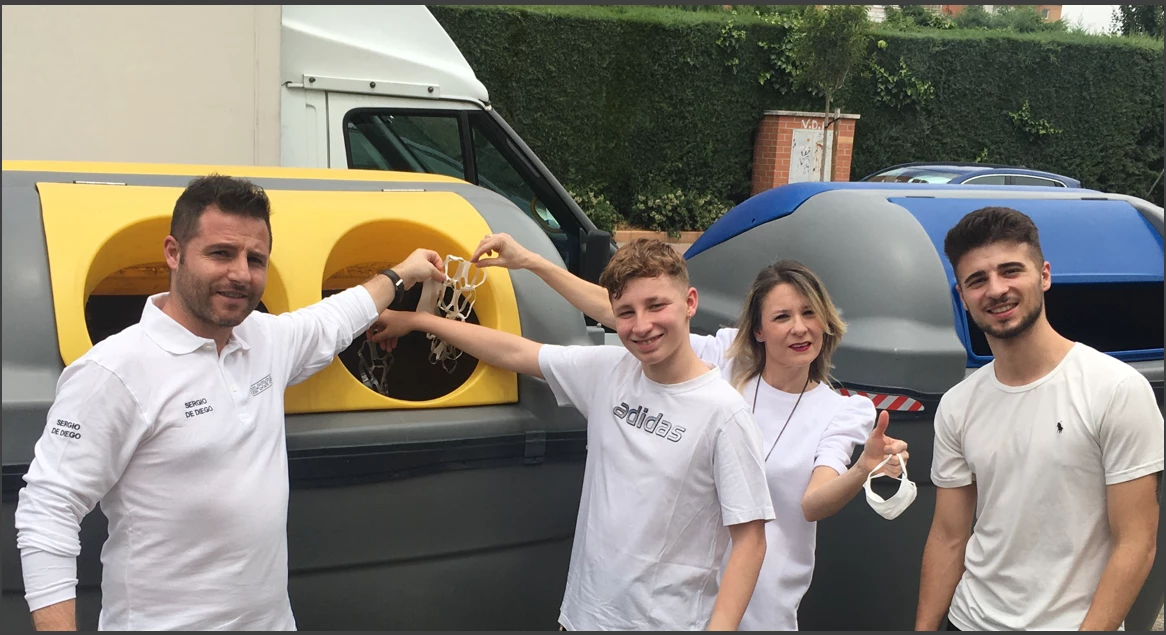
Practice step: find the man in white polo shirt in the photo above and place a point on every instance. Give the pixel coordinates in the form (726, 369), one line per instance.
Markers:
(1054, 450)
(176, 426)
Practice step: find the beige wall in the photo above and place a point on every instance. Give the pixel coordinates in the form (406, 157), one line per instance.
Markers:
(176, 84)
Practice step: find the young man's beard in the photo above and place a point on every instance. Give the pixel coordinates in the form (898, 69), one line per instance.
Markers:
(1021, 327)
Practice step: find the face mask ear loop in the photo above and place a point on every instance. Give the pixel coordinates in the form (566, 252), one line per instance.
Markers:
(429, 300)
(878, 467)
(479, 280)
(464, 313)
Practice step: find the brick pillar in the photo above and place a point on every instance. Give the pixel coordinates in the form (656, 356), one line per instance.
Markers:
(786, 147)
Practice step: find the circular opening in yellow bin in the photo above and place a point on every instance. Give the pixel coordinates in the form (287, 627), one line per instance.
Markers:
(410, 373)
(130, 267)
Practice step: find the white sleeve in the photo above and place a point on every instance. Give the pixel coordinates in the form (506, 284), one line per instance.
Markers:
(94, 427)
(949, 467)
(316, 334)
(850, 428)
(739, 471)
(713, 349)
(574, 372)
(1131, 432)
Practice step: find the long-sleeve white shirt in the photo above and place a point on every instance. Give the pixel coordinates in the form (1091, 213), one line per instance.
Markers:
(184, 448)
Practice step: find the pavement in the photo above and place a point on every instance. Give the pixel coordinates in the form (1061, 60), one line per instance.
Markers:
(1158, 624)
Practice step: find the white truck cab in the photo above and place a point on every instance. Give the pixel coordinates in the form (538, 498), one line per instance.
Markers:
(385, 88)
(345, 87)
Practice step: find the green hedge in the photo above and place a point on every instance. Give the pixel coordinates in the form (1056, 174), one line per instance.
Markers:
(633, 100)
(1104, 95)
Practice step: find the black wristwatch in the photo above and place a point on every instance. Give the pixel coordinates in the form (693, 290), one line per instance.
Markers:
(397, 282)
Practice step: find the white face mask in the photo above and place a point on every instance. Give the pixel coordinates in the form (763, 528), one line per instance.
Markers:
(464, 286)
(890, 509)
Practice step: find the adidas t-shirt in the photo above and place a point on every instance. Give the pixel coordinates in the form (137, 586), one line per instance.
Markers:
(668, 468)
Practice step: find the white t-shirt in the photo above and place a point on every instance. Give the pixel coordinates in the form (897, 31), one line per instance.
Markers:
(1041, 456)
(185, 450)
(668, 467)
(825, 429)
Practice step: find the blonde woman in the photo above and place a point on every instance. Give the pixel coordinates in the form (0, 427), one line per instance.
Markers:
(779, 360)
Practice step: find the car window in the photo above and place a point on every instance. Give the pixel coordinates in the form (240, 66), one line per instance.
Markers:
(987, 179)
(409, 143)
(1018, 179)
(890, 176)
(913, 174)
(932, 177)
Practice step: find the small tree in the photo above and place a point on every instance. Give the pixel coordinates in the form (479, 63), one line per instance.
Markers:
(974, 16)
(1023, 19)
(908, 17)
(1138, 19)
(831, 42)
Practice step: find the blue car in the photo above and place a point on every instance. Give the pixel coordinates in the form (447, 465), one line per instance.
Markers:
(969, 174)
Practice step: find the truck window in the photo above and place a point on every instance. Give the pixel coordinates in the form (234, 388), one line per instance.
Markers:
(500, 167)
(465, 146)
(364, 154)
(495, 173)
(408, 143)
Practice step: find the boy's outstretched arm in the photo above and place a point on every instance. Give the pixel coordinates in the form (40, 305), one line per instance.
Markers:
(591, 299)
(740, 576)
(496, 348)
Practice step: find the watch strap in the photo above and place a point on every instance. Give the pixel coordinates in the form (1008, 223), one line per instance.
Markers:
(397, 282)
(392, 275)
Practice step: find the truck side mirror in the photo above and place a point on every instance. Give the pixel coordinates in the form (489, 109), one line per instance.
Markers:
(595, 249)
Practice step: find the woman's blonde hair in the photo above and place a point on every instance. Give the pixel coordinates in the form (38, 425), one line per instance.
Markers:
(748, 355)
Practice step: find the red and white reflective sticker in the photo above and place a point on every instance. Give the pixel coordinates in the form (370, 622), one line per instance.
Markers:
(897, 403)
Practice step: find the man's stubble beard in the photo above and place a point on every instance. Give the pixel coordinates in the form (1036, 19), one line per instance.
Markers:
(195, 296)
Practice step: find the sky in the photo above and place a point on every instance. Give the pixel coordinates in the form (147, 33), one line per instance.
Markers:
(1096, 17)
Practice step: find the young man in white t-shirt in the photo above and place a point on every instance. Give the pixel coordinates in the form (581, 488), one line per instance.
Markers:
(674, 455)
(1054, 449)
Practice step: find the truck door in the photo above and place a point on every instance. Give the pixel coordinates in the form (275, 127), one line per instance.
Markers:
(465, 142)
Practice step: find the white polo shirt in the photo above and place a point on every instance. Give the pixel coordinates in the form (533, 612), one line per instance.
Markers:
(185, 450)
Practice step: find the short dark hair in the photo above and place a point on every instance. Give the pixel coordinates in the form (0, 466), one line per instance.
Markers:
(235, 196)
(642, 258)
(989, 225)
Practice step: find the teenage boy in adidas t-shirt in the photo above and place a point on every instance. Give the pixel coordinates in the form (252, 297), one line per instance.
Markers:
(674, 455)
(1054, 450)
